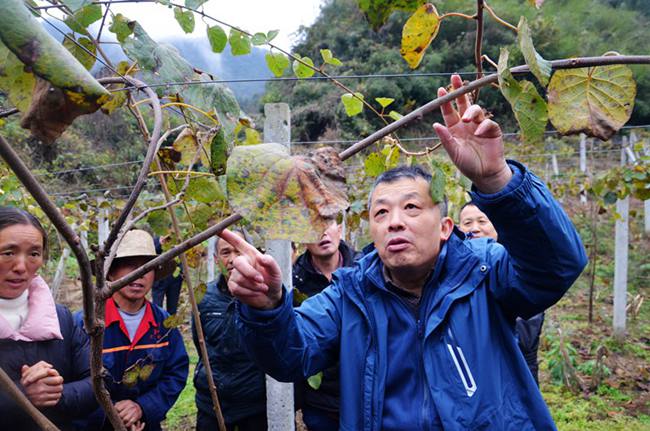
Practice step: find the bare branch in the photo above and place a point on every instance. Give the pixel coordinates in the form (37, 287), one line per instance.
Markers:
(8, 112)
(16, 394)
(116, 285)
(478, 45)
(151, 152)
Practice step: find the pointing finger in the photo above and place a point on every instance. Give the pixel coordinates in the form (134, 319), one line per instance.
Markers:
(239, 243)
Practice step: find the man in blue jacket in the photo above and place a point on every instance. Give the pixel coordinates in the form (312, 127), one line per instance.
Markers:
(240, 383)
(424, 325)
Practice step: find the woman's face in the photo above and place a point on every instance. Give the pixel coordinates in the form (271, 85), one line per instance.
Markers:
(21, 255)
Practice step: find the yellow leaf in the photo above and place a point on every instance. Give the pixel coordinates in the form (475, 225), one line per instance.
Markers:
(596, 101)
(418, 32)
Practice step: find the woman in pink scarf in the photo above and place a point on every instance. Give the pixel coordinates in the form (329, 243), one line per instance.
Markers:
(40, 347)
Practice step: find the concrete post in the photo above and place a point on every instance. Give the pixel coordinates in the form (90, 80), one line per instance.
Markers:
(212, 249)
(279, 396)
(620, 261)
(583, 165)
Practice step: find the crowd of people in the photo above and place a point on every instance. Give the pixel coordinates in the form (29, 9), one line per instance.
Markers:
(435, 325)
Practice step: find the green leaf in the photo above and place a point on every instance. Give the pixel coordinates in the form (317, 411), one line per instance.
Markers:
(315, 380)
(202, 214)
(145, 371)
(81, 19)
(378, 11)
(374, 164)
(122, 27)
(218, 38)
(353, 105)
(610, 198)
(159, 221)
(438, 181)
(283, 196)
(240, 43)
(219, 153)
(418, 33)
(258, 39)
(199, 292)
(538, 66)
(185, 18)
(528, 106)
(14, 81)
(187, 145)
(173, 321)
(391, 156)
(130, 377)
(329, 58)
(217, 99)
(301, 69)
(86, 59)
(194, 4)
(395, 115)
(384, 101)
(272, 35)
(277, 63)
(205, 190)
(74, 5)
(596, 101)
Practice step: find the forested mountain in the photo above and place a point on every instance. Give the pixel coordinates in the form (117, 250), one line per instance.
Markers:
(562, 28)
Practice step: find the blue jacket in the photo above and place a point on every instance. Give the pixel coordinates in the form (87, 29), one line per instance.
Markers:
(474, 374)
(240, 383)
(153, 344)
(69, 356)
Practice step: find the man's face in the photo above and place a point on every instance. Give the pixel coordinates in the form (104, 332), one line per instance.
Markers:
(137, 289)
(329, 242)
(475, 221)
(406, 226)
(226, 255)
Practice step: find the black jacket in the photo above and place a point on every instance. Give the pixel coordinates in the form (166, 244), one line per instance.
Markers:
(69, 356)
(240, 384)
(309, 282)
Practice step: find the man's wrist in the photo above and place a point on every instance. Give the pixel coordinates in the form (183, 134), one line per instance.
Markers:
(496, 182)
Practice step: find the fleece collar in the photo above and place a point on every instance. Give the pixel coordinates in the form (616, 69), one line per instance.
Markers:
(42, 321)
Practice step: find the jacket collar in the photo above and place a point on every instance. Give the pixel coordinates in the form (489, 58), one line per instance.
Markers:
(113, 316)
(304, 261)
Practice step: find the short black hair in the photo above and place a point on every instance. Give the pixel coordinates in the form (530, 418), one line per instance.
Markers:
(412, 172)
(10, 216)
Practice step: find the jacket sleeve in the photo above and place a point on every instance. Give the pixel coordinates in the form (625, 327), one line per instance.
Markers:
(544, 252)
(157, 402)
(292, 344)
(78, 397)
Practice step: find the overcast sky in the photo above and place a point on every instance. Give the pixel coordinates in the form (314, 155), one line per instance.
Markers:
(250, 15)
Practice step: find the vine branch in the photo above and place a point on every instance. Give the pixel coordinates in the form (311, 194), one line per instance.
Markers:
(16, 394)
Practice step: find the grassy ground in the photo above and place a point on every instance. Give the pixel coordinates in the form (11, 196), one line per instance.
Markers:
(182, 416)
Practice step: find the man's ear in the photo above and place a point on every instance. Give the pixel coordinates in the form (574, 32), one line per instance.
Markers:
(446, 227)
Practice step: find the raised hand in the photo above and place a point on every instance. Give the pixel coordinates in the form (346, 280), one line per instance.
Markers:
(255, 279)
(473, 142)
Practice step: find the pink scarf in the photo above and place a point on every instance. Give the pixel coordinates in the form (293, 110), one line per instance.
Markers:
(42, 322)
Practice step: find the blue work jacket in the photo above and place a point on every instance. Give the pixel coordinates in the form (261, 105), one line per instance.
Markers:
(474, 372)
(155, 348)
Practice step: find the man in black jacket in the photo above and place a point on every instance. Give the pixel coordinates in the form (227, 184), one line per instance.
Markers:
(312, 273)
(240, 384)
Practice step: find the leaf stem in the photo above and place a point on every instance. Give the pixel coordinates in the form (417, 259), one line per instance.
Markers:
(194, 108)
(499, 20)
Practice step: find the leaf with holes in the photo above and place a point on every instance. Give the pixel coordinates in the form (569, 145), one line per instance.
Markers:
(277, 63)
(528, 106)
(81, 50)
(217, 38)
(240, 43)
(122, 27)
(596, 101)
(283, 196)
(302, 68)
(353, 103)
(538, 66)
(418, 32)
(185, 19)
(329, 58)
(378, 11)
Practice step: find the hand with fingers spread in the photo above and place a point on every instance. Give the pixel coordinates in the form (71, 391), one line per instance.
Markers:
(43, 384)
(474, 143)
(255, 279)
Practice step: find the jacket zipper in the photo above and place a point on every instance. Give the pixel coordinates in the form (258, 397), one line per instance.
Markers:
(463, 369)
